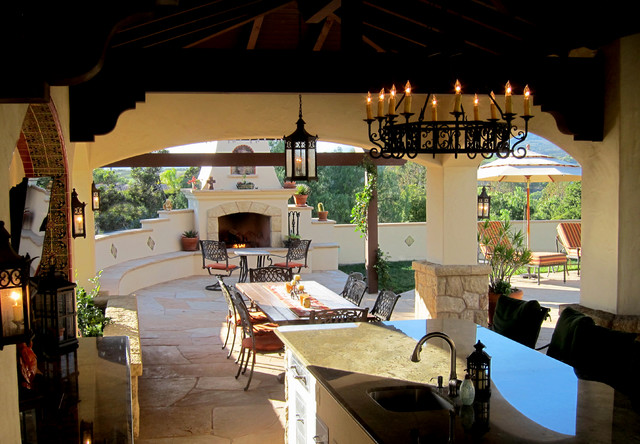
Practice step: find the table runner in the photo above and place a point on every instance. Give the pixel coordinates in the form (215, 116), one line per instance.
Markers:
(294, 304)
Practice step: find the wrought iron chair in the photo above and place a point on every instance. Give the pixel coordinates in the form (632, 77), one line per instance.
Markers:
(336, 315)
(252, 342)
(215, 260)
(233, 319)
(569, 240)
(519, 320)
(296, 255)
(353, 276)
(356, 292)
(384, 305)
(270, 274)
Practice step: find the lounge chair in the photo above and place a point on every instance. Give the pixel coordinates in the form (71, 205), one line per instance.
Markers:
(569, 240)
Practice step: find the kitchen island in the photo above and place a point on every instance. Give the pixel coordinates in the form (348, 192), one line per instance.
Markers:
(333, 370)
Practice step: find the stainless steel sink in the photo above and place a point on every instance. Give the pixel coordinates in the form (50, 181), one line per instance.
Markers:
(409, 398)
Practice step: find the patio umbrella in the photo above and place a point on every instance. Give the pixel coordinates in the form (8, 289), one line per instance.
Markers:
(534, 167)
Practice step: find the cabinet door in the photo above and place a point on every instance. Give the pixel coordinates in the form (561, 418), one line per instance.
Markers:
(342, 429)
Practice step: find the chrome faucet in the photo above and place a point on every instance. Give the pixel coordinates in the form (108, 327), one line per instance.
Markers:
(453, 378)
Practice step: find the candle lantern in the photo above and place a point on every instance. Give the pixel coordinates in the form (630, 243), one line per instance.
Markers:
(77, 214)
(484, 204)
(300, 153)
(479, 367)
(95, 197)
(55, 313)
(15, 324)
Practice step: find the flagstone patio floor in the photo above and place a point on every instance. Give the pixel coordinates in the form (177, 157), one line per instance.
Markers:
(188, 392)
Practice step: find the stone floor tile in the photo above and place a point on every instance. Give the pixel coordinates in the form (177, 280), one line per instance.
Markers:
(166, 422)
(231, 422)
(162, 355)
(164, 392)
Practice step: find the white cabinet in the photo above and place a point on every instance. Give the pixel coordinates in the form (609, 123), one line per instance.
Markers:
(302, 425)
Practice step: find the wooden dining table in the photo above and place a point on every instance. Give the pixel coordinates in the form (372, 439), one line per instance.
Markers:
(273, 299)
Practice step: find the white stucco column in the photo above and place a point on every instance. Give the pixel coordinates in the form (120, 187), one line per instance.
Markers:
(610, 204)
(452, 210)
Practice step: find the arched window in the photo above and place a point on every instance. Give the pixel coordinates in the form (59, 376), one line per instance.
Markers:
(242, 170)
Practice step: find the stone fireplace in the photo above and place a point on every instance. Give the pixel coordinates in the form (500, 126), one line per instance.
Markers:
(240, 230)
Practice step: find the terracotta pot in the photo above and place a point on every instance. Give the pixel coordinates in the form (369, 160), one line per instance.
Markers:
(189, 243)
(289, 185)
(322, 215)
(301, 200)
(493, 300)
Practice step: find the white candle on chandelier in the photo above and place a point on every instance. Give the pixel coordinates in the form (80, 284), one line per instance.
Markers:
(434, 109)
(381, 103)
(476, 111)
(527, 101)
(369, 110)
(494, 110)
(508, 108)
(392, 101)
(407, 97)
(457, 104)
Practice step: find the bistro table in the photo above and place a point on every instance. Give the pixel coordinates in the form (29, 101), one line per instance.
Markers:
(243, 253)
(273, 299)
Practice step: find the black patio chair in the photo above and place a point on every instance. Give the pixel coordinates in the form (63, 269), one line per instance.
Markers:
(384, 305)
(215, 260)
(270, 274)
(351, 278)
(331, 316)
(296, 255)
(356, 292)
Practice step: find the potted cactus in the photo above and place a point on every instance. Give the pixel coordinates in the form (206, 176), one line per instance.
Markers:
(302, 192)
(189, 240)
(322, 214)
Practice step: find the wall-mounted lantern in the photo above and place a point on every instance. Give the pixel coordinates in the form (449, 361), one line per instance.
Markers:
(77, 213)
(95, 197)
(484, 204)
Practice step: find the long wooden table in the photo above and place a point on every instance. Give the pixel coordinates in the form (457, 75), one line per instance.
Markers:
(274, 301)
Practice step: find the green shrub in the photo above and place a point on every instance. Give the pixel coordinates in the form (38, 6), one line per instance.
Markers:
(91, 318)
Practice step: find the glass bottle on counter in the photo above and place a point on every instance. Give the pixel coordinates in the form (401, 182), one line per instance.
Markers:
(467, 391)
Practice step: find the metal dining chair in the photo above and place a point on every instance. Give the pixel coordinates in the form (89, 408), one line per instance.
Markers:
(356, 292)
(296, 255)
(331, 316)
(215, 260)
(351, 278)
(270, 274)
(266, 341)
(384, 305)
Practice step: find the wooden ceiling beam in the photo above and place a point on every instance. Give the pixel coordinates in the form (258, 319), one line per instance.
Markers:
(325, 11)
(255, 32)
(324, 33)
(242, 159)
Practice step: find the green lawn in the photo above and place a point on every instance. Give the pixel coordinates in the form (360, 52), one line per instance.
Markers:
(402, 278)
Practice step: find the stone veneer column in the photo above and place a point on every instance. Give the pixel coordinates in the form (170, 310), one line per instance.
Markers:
(452, 291)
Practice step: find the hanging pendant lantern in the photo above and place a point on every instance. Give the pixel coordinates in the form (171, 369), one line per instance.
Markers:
(15, 323)
(95, 197)
(77, 214)
(479, 367)
(484, 204)
(300, 153)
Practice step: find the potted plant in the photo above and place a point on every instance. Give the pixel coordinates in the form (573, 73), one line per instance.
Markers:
(301, 194)
(289, 238)
(322, 214)
(244, 184)
(289, 184)
(508, 253)
(189, 240)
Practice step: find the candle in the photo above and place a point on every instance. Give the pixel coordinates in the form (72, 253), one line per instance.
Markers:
(369, 110)
(508, 109)
(407, 97)
(476, 112)
(527, 101)
(494, 110)
(17, 306)
(434, 109)
(392, 101)
(457, 106)
(381, 103)
(78, 221)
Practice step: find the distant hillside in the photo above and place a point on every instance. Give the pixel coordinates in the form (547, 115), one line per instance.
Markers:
(542, 146)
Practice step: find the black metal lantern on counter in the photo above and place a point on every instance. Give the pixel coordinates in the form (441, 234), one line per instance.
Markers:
(55, 313)
(15, 323)
(479, 367)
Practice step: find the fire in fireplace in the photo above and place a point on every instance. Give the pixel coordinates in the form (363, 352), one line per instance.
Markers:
(249, 229)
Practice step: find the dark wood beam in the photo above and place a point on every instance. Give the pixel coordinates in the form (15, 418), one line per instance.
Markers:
(255, 32)
(243, 159)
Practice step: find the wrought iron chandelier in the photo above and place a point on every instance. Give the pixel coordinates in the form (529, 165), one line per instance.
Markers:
(396, 136)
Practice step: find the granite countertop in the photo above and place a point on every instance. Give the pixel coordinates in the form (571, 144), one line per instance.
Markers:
(534, 398)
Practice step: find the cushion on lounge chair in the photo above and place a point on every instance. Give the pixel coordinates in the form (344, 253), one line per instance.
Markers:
(519, 320)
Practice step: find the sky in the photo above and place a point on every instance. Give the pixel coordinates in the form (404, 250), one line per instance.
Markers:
(208, 147)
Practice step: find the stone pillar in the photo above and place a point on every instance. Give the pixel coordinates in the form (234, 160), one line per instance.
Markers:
(452, 291)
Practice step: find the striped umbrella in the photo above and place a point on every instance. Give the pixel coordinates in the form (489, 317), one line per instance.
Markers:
(534, 167)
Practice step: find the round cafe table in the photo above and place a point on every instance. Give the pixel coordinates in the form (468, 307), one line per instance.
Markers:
(244, 253)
